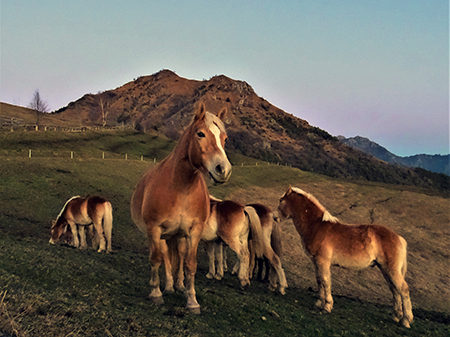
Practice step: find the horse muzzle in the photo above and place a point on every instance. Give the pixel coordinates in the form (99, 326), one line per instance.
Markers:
(220, 172)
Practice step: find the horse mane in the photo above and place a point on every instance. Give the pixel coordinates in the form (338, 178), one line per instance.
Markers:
(65, 205)
(326, 215)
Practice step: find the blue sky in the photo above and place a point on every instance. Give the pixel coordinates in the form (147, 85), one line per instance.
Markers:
(378, 69)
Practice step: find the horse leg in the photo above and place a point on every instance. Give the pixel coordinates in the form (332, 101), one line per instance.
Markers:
(224, 257)
(210, 251)
(167, 267)
(182, 248)
(191, 268)
(243, 261)
(99, 228)
(400, 296)
(276, 264)
(323, 277)
(156, 257)
(73, 227)
(82, 234)
(219, 258)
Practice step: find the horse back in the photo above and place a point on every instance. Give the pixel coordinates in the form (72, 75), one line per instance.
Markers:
(97, 207)
(230, 217)
(265, 214)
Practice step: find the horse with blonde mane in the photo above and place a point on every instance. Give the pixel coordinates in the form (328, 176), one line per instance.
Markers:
(171, 202)
(272, 249)
(79, 213)
(328, 242)
(232, 223)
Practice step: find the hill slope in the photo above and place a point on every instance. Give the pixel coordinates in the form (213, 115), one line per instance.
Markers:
(164, 103)
(433, 163)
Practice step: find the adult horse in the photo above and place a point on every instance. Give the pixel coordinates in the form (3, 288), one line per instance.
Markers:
(272, 248)
(171, 201)
(328, 242)
(232, 223)
(80, 212)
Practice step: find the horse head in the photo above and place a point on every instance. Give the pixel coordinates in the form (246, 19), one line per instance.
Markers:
(284, 210)
(206, 149)
(58, 228)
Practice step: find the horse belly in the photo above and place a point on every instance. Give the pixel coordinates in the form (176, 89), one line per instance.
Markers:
(354, 261)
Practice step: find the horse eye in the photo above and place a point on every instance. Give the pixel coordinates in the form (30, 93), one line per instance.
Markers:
(201, 134)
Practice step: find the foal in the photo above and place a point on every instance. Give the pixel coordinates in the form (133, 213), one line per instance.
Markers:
(328, 242)
(81, 212)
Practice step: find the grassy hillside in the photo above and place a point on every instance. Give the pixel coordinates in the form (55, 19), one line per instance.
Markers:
(48, 290)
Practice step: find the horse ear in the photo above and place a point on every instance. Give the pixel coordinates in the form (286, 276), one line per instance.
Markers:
(201, 112)
(223, 116)
(289, 190)
(53, 223)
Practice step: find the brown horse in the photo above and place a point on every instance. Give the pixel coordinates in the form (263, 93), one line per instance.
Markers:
(171, 201)
(81, 212)
(328, 242)
(232, 223)
(272, 248)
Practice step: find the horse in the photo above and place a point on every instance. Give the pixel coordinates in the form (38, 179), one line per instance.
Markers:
(80, 212)
(232, 223)
(171, 201)
(328, 242)
(272, 248)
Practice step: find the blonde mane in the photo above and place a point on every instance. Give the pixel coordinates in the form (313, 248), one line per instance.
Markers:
(62, 210)
(326, 215)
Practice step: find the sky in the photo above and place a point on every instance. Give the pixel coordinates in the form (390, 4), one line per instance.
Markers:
(377, 69)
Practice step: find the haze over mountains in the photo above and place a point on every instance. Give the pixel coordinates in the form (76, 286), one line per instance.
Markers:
(163, 103)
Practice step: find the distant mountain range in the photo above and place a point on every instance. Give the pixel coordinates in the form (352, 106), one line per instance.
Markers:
(433, 163)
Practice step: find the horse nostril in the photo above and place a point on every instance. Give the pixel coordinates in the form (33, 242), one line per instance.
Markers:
(219, 169)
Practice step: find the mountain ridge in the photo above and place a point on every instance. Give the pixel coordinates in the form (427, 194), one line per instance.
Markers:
(434, 163)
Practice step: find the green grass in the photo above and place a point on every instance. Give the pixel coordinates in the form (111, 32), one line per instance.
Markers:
(56, 290)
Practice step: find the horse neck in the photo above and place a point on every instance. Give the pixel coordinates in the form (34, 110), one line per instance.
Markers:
(307, 218)
(183, 173)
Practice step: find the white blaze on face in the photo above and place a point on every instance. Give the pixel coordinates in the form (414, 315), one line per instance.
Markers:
(216, 132)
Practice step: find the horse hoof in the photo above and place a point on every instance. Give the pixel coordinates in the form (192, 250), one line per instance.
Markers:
(218, 277)
(405, 322)
(169, 290)
(157, 300)
(282, 291)
(195, 310)
(209, 275)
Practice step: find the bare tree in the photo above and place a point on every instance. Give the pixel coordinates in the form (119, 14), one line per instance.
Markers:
(104, 108)
(38, 105)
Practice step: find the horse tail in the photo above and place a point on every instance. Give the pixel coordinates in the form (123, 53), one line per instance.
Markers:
(276, 240)
(404, 253)
(255, 230)
(108, 224)
(174, 256)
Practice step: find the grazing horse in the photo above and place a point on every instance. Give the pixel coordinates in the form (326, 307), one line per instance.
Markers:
(328, 242)
(80, 212)
(171, 201)
(232, 223)
(271, 248)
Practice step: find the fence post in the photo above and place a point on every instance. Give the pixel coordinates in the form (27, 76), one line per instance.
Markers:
(29, 153)
(142, 158)
(154, 160)
(71, 154)
(103, 155)
(126, 156)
